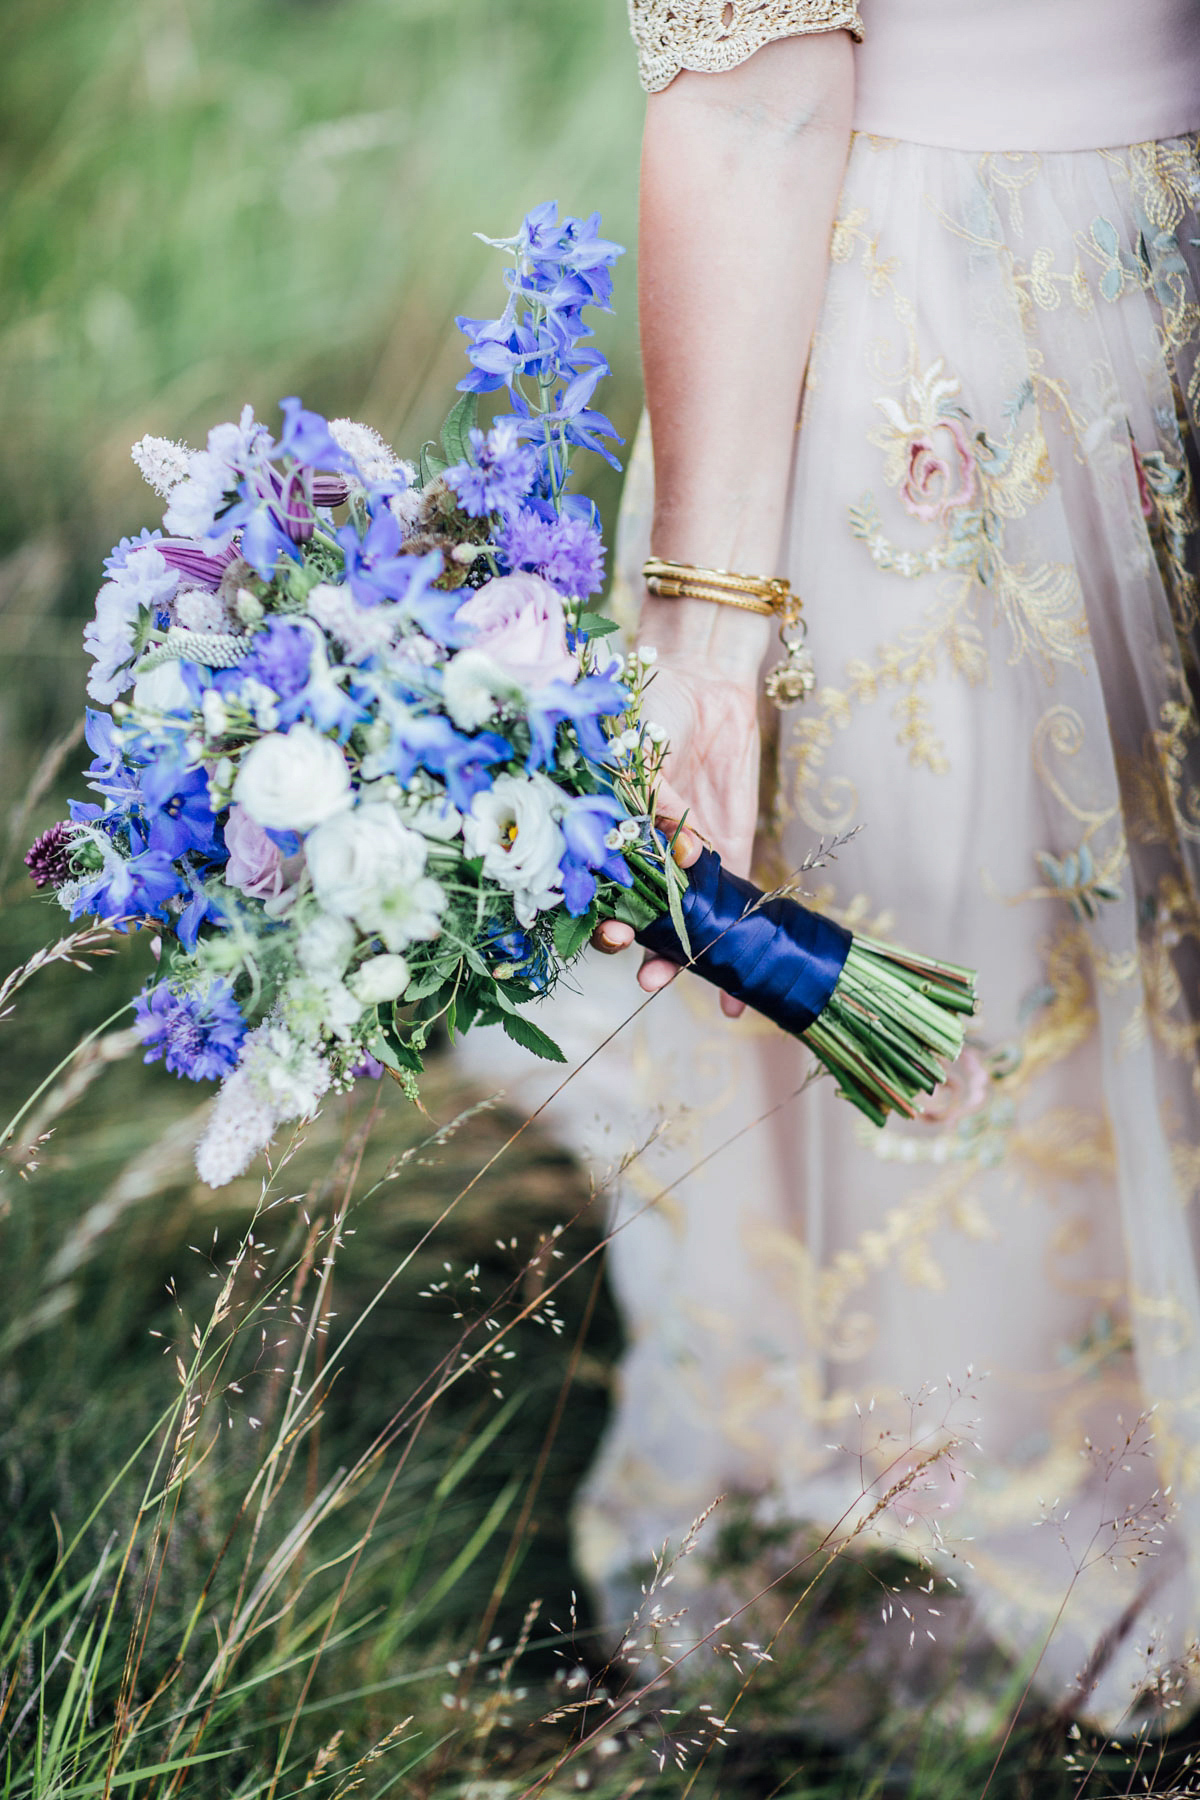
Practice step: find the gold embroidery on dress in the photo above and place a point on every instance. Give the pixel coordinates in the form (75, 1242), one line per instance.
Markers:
(712, 35)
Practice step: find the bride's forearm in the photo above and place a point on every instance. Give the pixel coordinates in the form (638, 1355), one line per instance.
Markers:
(740, 178)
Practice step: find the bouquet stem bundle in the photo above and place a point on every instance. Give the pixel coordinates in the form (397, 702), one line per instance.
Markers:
(892, 1027)
(887, 1024)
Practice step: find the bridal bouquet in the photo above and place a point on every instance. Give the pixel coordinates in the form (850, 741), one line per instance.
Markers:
(369, 765)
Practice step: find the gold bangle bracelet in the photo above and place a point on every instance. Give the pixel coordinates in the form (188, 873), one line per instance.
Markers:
(791, 679)
(753, 593)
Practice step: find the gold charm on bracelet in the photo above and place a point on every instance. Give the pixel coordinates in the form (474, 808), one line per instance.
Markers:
(793, 678)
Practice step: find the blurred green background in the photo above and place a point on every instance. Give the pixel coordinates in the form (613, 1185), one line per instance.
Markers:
(206, 202)
(202, 203)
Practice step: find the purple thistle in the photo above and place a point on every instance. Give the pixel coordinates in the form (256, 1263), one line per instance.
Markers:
(567, 552)
(48, 858)
(197, 1034)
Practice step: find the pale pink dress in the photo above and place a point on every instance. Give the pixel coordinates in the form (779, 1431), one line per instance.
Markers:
(995, 533)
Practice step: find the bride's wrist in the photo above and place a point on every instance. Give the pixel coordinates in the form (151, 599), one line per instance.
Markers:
(720, 639)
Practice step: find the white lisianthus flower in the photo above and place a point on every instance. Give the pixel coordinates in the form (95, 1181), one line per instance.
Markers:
(162, 690)
(144, 581)
(382, 978)
(367, 865)
(474, 688)
(293, 780)
(325, 947)
(513, 827)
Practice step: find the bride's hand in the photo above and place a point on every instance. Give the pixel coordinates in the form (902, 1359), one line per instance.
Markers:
(710, 780)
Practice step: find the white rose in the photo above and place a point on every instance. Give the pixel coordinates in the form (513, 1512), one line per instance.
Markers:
(474, 687)
(293, 780)
(367, 865)
(383, 978)
(162, 690)
(512, 827)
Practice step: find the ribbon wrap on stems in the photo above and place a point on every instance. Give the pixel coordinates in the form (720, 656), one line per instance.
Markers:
(781, 958)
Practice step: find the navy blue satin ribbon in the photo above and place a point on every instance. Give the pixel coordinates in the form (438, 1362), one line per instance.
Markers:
(781, 958)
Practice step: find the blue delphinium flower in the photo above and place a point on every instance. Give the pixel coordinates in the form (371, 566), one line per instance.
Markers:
(201, 909)
(377, 569)
(109, 773)
(500, 476)
(586, 823)
(430, 741)
(197, 1034)
(279, 658)
(307, 438)
(583, 704)
(177, 812)
(526, 958)
(133, 887)
(566, 551)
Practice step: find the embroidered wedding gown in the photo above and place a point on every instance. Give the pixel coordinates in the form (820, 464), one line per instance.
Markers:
(995, 532)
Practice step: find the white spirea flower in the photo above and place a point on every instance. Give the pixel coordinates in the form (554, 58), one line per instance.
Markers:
(374, 459)
(277, 1078)
(646, 654)
(198, 610)
(367, 865)
(474, 688)
(382, 978)
(162, 690)
(656, 734)
(163, 464)
(512, 826)
(293, 780)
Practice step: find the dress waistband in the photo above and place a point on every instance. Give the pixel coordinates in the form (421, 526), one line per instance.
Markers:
(1029, 74)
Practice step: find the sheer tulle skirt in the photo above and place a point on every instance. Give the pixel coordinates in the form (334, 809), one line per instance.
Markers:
(994, 530)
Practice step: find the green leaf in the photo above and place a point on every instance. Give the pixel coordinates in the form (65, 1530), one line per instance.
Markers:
(633, 910)
(597, 624)
(570, 934)
(675, 905)
(531, 1037)
(395, 1054)
(460, 420)
(431, 465)
(421, 986)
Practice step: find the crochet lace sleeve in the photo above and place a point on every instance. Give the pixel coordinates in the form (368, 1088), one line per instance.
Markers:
(711, 35)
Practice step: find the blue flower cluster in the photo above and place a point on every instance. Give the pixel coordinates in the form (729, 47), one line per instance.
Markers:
(536, 350)
(375, 732)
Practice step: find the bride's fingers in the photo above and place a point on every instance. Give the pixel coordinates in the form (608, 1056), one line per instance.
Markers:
(656, 972)
(611, 936)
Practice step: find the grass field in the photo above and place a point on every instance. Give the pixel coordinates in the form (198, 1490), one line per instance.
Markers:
(285, 1471)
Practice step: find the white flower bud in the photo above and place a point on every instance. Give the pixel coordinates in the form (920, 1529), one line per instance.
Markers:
(216, 719)
(646, 654)
(248, 606)
(382, 978)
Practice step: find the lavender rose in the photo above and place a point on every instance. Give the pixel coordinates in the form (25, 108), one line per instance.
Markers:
(518, 621)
